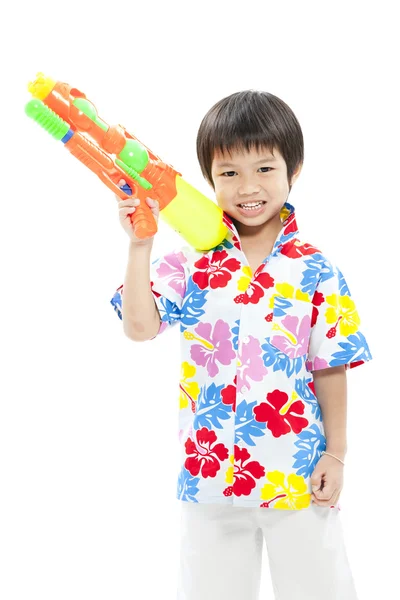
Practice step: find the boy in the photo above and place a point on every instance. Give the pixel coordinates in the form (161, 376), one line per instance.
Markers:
(268, 329)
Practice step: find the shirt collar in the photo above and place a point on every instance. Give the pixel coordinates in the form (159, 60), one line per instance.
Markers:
(287, 234)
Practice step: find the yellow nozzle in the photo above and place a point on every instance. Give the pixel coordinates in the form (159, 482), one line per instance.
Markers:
(41, 87)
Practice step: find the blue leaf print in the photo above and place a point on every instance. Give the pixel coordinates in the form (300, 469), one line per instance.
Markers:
(187, 486)
(318, 270)
(311, 443)
(305, 393)
(282, 239)
(192, 307)
(235, 339)
(224, 244)
(280, 361)
(343, 287)
(169, 311)
(356, 348)
(281, 305)
(210, 409)
(249, 426)
(116, 301)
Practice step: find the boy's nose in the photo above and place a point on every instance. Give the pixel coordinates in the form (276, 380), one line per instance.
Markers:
(249, 187)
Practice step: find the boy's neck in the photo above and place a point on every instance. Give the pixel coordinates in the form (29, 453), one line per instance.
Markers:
(260, 238)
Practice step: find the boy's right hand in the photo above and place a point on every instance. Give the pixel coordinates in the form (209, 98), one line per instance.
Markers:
(126, 208)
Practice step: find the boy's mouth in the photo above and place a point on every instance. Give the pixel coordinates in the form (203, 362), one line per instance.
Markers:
(252, 205)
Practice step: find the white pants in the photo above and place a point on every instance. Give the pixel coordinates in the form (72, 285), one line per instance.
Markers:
(221, 551)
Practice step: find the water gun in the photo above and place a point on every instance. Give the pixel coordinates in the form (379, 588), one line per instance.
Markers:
(114, 154)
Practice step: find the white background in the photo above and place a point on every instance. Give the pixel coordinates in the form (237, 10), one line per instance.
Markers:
(88, 473)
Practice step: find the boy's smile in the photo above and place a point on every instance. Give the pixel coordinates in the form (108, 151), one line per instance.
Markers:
(251, 187)
(251, 208)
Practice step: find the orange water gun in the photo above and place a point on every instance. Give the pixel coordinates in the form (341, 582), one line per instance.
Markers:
(114, 154)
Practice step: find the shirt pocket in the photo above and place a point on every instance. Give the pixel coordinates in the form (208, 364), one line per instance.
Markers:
(291, 326)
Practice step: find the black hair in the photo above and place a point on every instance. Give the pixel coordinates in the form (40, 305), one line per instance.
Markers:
(250, 119)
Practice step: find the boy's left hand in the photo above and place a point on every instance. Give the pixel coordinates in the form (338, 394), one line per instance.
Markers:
(327, 481)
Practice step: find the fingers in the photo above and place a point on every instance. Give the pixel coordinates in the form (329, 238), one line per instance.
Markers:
(316, 480)
(326, 503)
(121, 182)
(325, 497)
(323, 492)
(130, 205)
(335, 498)
(152, 203)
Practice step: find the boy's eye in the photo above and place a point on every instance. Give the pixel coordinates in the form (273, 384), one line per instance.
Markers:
(228, 173)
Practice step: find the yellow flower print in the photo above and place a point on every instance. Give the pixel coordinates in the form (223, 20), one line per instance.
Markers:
(302, 296)
(288, 291)
(188, 389)
(288, 404)
(290, 496)
(285, 289)
(285, 212)
(245, 280)
(229, 472)
(343, 310)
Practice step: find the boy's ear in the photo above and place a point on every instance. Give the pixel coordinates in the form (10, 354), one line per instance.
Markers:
(296, 173)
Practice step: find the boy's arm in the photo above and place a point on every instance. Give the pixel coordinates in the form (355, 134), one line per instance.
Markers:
(331, 391)
(140, 316)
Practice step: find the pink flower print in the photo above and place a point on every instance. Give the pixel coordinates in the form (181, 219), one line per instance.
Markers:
(251, 364)
(295, 338)
(215, 346)
(171, 269)
(316, 364)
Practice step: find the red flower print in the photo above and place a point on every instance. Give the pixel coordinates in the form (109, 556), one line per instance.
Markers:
(215, 272)
(229, 223)
(291, 225)
(203, 456)
(356, 364)
(236, 242)
(317, 300)
(311, 386)
(154, 292)
(245, 474)
(293, 249)
(228, 395)
(255, 290)
(278, 422)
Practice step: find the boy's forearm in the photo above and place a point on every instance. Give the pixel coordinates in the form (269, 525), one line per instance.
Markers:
(140, 316)
(331, 391)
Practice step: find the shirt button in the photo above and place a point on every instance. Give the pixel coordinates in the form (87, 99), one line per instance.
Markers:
(244, 389)
(246, 339)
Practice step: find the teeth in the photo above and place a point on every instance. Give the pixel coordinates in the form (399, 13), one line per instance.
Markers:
(251, 205)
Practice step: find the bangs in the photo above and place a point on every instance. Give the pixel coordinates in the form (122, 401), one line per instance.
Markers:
(242, 127)
(249, 120)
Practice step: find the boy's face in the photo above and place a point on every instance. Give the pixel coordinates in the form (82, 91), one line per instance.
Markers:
(249, 178)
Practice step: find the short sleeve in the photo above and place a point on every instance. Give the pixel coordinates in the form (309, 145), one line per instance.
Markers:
(336, 338)
(168, 285)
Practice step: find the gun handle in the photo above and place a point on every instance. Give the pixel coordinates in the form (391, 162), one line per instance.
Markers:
(143, 221)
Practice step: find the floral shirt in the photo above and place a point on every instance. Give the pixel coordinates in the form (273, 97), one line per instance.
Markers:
(250, 425)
